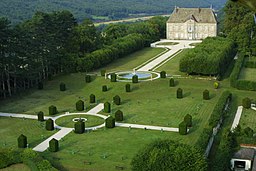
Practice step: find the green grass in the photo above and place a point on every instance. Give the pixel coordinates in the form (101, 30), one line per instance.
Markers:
(67, 121)
(17, 167)
(248, 74)
(168, 43)
(248, 119)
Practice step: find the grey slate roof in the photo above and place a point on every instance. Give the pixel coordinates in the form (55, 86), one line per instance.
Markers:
(245, 153)
(200, 15)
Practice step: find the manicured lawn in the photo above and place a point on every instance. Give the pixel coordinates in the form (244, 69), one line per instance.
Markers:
(67, 121)
(248, 119)
(248, 74)
(17, 167)
(168, 43)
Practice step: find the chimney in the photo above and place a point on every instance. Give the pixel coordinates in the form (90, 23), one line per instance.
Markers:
(176, 9)
(199, 9)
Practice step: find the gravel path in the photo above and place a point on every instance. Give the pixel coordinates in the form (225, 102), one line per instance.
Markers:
(237, 117)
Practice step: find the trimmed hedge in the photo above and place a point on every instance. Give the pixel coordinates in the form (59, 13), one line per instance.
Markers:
(88, 78)
(172, 83)
(40, 116)
(113, 77)
(206, 95)
(248, 132)
(179, 93)
(250, 64)
(79, 127)
(107, 107)
(22, 141)
(236, 70)
(49, 125)
(110, 122)
(102, 73)
(247, 103)
(216, 85)
(62, 87)
(188, 120)
(162, 74)
(117, 100)
(80, 105)
(128, 88)
(183, 128)
(53, 110)
(40, 86)
(135, 79)
(92, 98)
(53, 145)
(104, 88)
(119, 116)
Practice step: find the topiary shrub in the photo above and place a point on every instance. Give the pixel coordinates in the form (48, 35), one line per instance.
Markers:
(113, 77)
(22, 141)
(104, 88)
(49, 125)
(172, 83)
(53, 110)
(135, 79)
(40, 86)
(183, 128)
(88, 78)
(246, 103)
(53, 145)
(92, 98)
(188, 120)
(206, 95)
(80, 105)
(62, 87)
(216, 85)
(128, 88)
(117, 100)
(248, 132)
(119, 115)
(162, 74)
(102, 73)
(110, 122)
(79, 127)
(107, 107)
(40, 116)
(179, 93)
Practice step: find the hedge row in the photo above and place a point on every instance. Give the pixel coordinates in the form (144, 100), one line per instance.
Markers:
(250, 64)
(211, 57)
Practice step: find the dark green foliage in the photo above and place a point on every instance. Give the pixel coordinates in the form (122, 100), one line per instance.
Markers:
(236, 70)
(162, 74)
(9, 156)
(88, 78)
(53, 145)
(49, 125)
(92, 98)
(211, 57)
(104, 88)
(80, 105)
(248, 132)
(53, 110)
(79, 127)
(102, 73)
(113, 77)
(119, 115)
(179, 93)
(206, 95)
(22, 141)
(250, 64)
(128, 88)
(117, 100)
(183, 128)
(62, 87)
(107, 107)
(168, 155)
(172, 83)
(135, 79)
(110, 122)
(188, 120)
(40, 86)
(204, 137)
(246, 103)
(40, 116)
(246, 85)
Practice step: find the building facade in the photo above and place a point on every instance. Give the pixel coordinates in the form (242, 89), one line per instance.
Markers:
(191, 24)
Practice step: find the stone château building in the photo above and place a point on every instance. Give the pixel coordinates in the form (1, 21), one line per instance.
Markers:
(191, 24)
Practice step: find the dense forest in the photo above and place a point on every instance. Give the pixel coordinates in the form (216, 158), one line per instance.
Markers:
(17, 10)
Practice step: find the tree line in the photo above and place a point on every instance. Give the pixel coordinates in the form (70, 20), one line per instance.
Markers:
(54, 43)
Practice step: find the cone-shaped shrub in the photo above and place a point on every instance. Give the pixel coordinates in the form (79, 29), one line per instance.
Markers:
(206, 95)
(117, 100)
(188, 120)
(79, 127)
(53, 145)
(40, 86)
(104, 88)
(246, 103)
(172, 83)
(40, 116)
(92, 98)
(110, 122)
(128, 88)
(179, 93)
(80, 105)
(135, 79)
(102, 73)
(62, 87)
(113, 77)
(119, 115)
(53, 110)
(163, 74)
(183, 128)
(49, 125)
(88, 78)
(107, 107)
(22, 141)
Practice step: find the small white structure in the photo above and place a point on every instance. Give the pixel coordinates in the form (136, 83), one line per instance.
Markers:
(243, 159)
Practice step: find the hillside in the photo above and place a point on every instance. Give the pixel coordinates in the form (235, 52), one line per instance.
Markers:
(17, 10)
